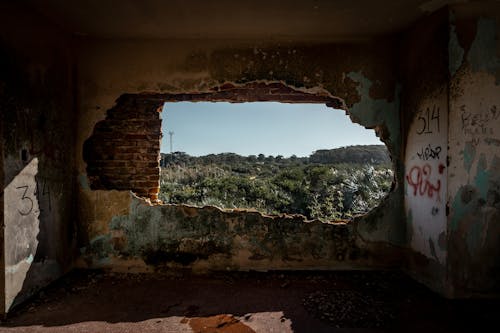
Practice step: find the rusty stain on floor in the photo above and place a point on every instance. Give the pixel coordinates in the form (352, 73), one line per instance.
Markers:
(218, 324)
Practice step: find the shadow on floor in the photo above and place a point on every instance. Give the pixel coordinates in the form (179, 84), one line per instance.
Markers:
(93, 301)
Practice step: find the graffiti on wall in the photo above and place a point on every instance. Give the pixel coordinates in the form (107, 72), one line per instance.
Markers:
(419, 178)
(429, 152)
(428, 121)
(425, 177)
(479, 122)
(27, 194)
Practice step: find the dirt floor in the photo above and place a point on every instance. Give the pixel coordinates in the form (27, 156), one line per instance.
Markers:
(93, 301)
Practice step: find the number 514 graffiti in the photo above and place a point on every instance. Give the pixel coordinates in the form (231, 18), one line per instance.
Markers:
(427, 119)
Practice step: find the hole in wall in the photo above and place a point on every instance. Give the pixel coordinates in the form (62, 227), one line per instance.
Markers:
(272, 157)
(123, 152)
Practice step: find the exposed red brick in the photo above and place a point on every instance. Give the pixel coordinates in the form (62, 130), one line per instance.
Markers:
(124, 149)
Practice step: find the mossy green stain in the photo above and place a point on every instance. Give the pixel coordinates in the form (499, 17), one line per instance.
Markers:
(482, 179)
(480, 186)
(151, 229)
(84, 183)
(158, 234)
(459, 209)
(469, 153)
(100, 246)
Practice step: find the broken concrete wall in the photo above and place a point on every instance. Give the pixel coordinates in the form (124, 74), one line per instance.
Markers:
(474, 141)
(424, 107)
(36, 103)
(361, 74)
(203, 239)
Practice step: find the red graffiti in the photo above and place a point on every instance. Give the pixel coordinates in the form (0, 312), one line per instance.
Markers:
(441, 168)
(419, 179)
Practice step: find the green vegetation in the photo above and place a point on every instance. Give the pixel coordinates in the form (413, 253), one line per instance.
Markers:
(329, 185)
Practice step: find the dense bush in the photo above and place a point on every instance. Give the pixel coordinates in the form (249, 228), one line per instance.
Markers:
(276, 185)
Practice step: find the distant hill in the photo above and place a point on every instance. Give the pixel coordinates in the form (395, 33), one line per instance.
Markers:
(360, 154)
(330, 184)
(372, 154)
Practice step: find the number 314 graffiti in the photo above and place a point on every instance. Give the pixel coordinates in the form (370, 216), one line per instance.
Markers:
(27, 200)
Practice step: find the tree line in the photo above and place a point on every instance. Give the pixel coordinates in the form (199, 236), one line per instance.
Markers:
(327, 185)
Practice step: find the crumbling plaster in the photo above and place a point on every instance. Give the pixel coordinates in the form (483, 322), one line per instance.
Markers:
(108, 69)
(179, 236)
(359, 75)
(474, 138)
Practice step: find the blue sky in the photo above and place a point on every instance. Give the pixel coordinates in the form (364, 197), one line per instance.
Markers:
(269, 128)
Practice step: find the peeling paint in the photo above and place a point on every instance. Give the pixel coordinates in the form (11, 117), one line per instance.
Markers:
(316, 69)
(482, 55)
(473, 229)
(371, 112)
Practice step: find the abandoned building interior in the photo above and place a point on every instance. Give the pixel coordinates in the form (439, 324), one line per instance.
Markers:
(82, 84)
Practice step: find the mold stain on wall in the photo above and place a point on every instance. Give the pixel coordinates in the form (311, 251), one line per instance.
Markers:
(208, 238)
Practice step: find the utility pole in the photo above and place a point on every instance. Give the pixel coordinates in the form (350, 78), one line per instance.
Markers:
(171, 133)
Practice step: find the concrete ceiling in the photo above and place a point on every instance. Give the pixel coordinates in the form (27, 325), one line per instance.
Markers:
(268, 19)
